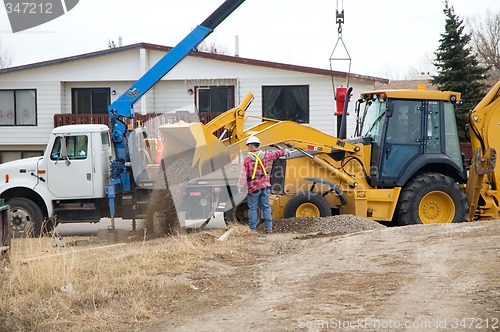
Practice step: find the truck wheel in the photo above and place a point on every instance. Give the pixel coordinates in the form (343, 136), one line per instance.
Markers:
(307, 204)
(5, 232)
(240, 213)
(431, 198)
(26, 217)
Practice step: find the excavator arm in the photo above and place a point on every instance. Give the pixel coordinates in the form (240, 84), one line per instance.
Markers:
(270, 131)
(210, 153)
(482, 192)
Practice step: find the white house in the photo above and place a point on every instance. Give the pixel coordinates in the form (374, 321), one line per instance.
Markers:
(32, 95)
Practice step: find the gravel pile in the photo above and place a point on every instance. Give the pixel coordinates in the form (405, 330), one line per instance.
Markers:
(334, 225)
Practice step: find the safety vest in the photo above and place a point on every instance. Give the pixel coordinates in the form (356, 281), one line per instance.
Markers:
(258, 161)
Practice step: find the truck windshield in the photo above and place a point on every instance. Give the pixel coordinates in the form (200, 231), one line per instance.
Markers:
(374, 113)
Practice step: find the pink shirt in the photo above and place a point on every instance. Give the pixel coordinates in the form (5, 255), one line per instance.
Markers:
(261, 180)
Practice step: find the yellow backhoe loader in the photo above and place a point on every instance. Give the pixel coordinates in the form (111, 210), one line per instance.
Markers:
(403, 166)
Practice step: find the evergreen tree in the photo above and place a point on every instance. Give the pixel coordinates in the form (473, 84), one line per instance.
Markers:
(457, 67)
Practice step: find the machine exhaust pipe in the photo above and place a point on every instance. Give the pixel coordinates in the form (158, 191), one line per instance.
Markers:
(343, 125)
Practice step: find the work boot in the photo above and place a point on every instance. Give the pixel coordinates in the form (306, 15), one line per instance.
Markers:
(269, 231)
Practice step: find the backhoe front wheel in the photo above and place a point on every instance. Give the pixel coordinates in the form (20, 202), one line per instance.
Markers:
(307, 204)
(431, 198)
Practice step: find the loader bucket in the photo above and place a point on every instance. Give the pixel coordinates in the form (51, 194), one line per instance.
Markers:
(200, 172)
(207, 153)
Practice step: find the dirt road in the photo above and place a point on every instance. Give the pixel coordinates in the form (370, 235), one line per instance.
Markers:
(408, 278)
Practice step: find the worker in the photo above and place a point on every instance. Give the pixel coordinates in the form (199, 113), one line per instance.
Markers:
(254, 175)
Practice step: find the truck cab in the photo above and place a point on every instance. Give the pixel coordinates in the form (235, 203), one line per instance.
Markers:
(67, 184)
(77, 161)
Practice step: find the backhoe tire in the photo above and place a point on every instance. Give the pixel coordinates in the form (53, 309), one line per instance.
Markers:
(431, 198)
(307, 204)
(26, 217)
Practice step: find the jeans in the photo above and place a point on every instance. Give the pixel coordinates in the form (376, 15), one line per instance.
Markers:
(259, 197)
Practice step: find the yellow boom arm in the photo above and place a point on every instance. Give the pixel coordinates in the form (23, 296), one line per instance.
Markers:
(209, 153)
(483, 181)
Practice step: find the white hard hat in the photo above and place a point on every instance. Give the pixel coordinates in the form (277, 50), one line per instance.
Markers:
(253, 140)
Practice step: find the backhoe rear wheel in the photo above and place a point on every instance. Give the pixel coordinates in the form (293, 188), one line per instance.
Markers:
(431, 198)
(307, 204)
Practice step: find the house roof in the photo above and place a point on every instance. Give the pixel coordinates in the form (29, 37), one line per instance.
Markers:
(206, 55)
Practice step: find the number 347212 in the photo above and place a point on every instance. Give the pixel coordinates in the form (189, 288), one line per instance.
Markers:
(28, 8)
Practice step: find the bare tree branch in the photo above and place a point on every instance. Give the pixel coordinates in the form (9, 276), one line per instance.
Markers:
(486, 41)
(111, 43)
(211, 48)
(5, 57)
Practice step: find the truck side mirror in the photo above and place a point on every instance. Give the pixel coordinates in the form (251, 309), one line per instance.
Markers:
(64, 152)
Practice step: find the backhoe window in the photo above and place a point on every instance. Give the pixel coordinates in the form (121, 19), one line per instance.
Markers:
(450, 129)
(433, 136)
(403, 136)
(373, 120)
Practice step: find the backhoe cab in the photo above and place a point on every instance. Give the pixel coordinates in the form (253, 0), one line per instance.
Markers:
(403, 166)
(410, 132)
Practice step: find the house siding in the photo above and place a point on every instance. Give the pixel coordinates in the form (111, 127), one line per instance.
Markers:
(118, 71)
(251, 79)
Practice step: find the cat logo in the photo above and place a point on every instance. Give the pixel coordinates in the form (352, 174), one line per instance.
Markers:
(25, 14)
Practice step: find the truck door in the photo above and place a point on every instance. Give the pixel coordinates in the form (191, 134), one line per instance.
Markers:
(70, 167)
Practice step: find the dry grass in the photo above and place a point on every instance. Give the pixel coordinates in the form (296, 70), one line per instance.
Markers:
(86, 287)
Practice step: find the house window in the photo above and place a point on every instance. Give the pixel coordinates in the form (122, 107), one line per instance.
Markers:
(290, 102)
(215, 98)
(18, 108)
(90, 100)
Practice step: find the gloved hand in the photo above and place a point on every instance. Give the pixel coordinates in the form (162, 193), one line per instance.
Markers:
(241, 190)
(287, 153)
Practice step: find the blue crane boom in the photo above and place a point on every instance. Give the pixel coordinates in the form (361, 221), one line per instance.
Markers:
(121, 111)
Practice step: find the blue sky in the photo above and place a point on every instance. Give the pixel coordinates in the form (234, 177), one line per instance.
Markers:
(384, 38)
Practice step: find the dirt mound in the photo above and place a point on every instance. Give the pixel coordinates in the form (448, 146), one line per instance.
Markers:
(334, 225)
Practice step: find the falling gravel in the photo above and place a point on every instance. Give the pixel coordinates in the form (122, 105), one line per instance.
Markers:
(161, 218)
(334, 225)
